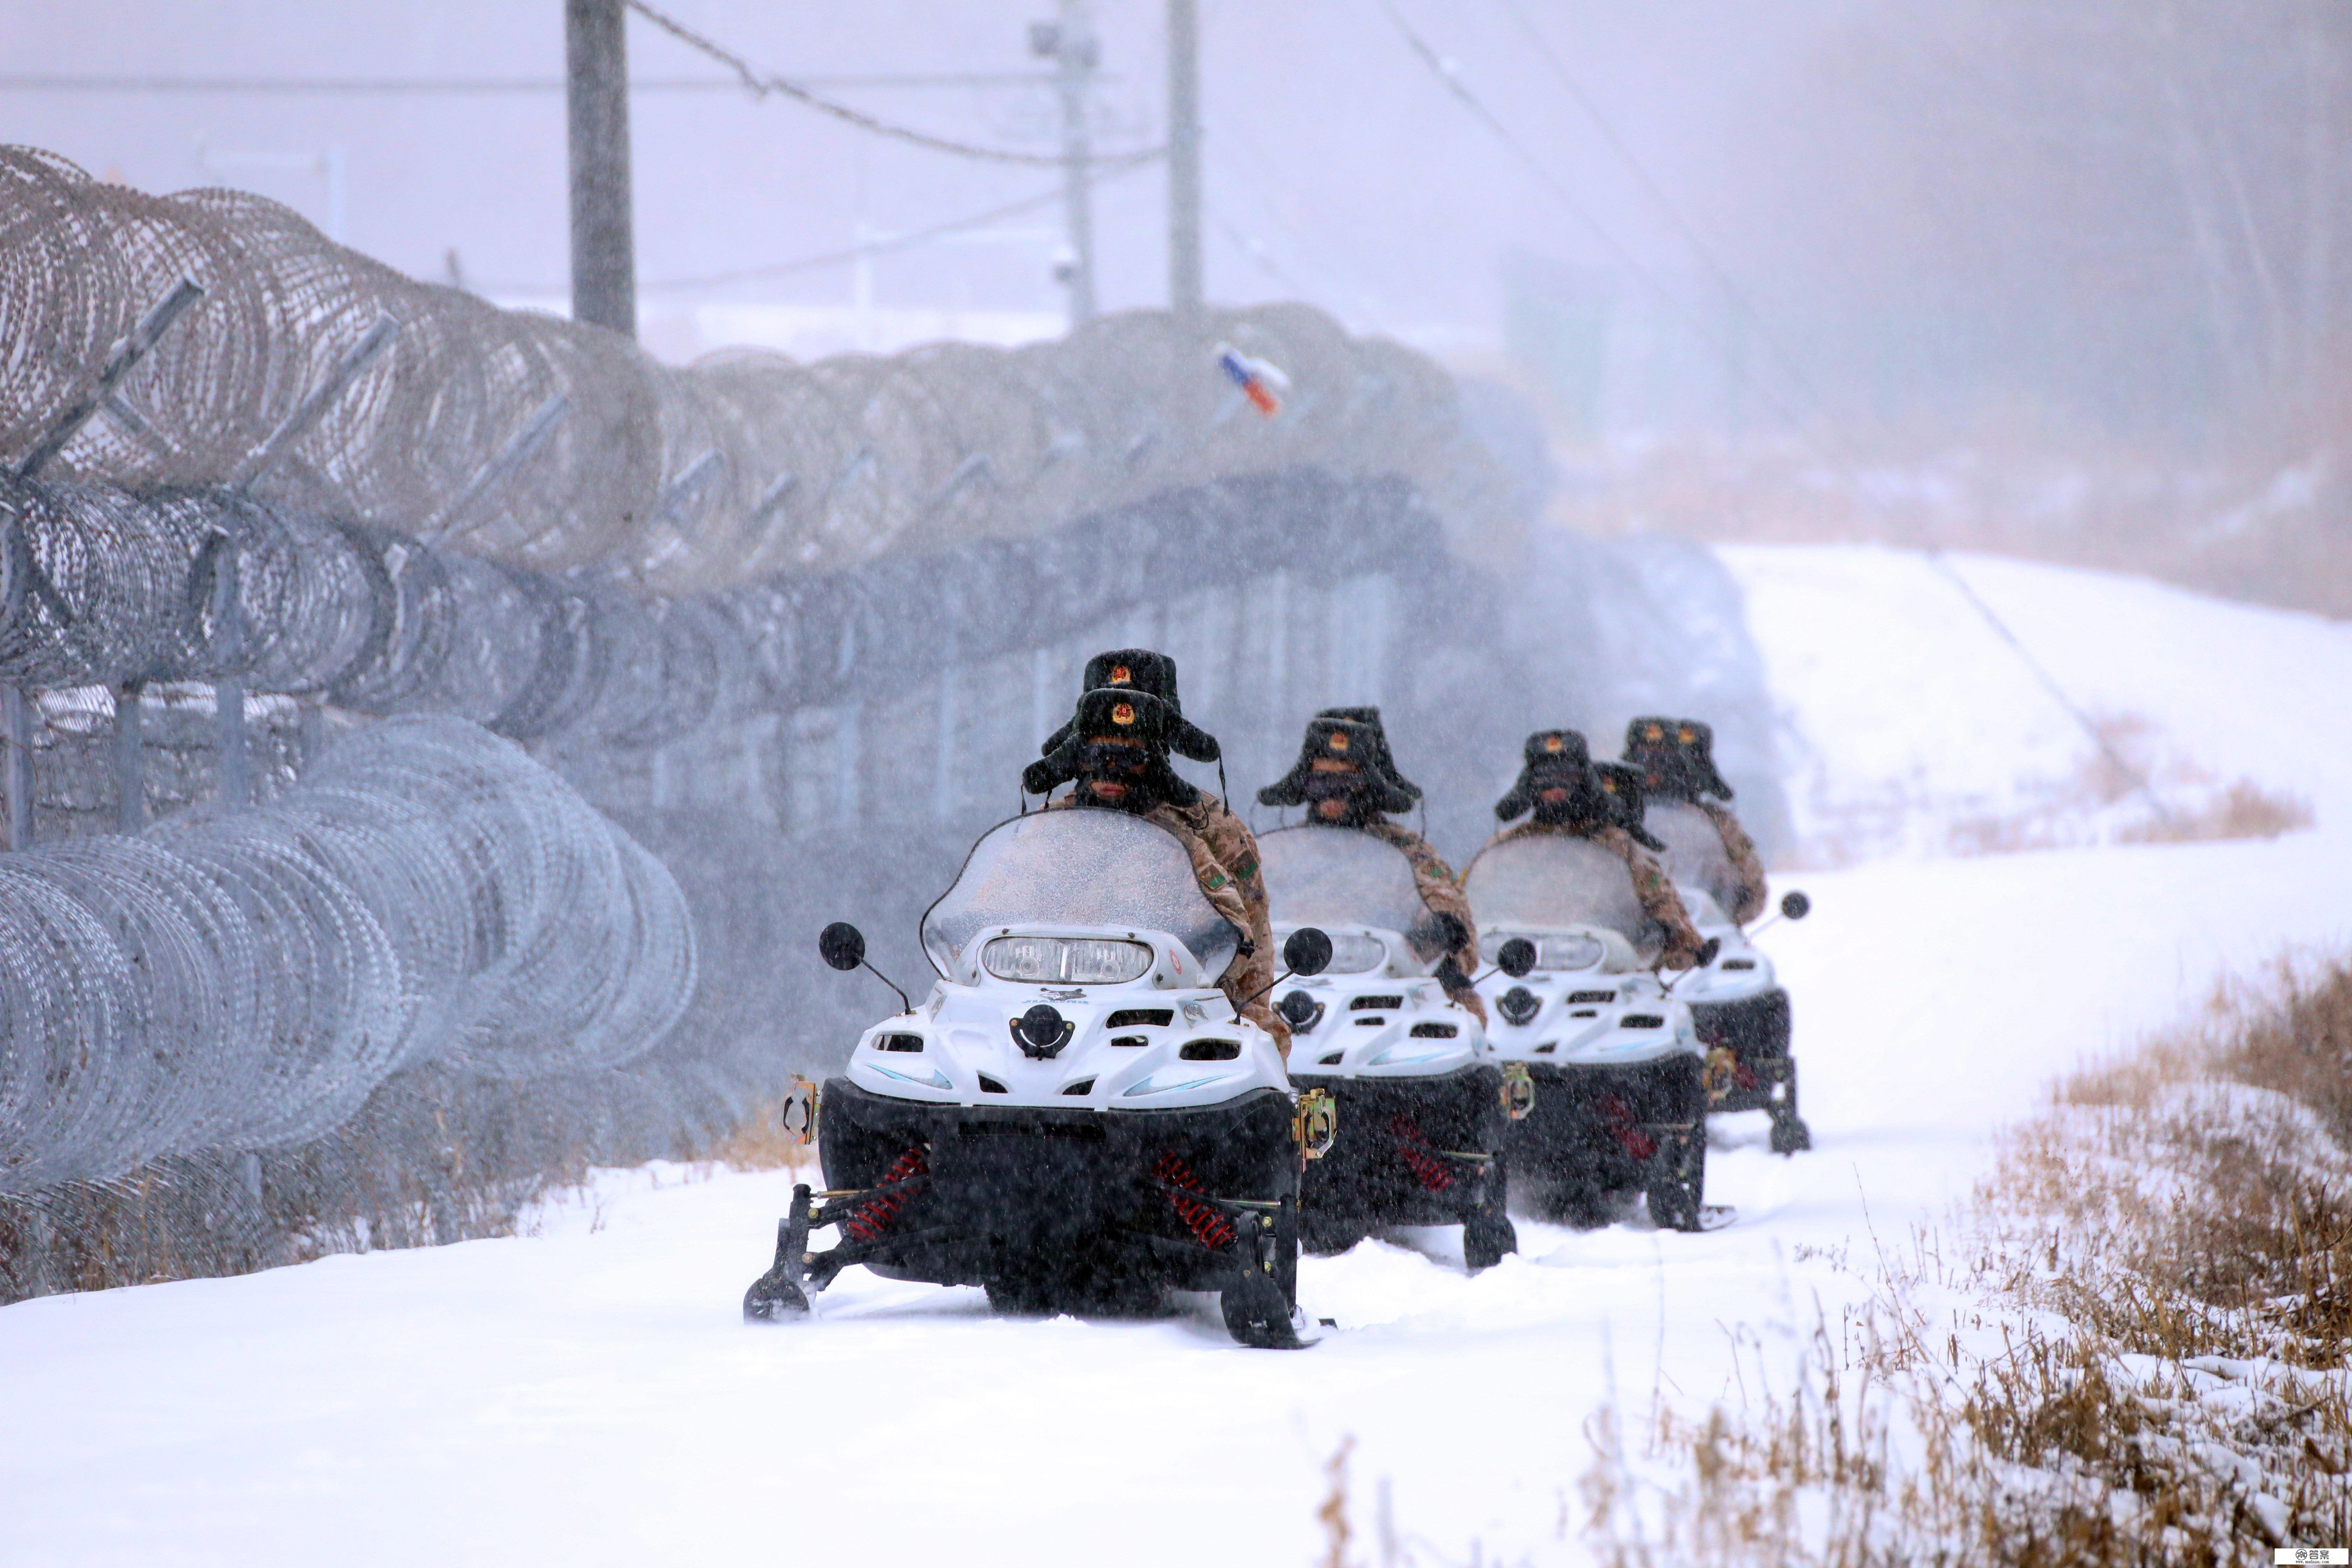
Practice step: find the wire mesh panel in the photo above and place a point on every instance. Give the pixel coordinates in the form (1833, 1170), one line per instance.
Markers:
(246, 980)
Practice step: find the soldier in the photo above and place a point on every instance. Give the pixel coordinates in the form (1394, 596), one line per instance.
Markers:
(1116, 747)
(1346, 777)
(1559, 783)
(1676, 758)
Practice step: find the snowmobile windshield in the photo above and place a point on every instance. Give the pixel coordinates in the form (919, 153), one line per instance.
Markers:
(1340, 877)
(1087, 868)
(1695, 855)
(1552, 881)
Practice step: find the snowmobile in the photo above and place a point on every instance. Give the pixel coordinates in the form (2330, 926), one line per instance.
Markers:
(1739, 1007)
(1423, 1096)
(1618, 1068)
(1075, 1117)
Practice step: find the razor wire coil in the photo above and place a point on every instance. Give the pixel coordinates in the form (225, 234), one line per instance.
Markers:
(743, 466)
(426, 896)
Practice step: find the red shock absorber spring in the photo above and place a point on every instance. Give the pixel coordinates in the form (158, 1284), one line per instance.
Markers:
(1414, 1150)
(1208, 1226)
(875, 1215)
(1618, 1117)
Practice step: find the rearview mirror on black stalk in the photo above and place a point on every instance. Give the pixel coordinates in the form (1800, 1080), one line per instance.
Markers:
(843, 945)
(1516, 957)
(1796, 906)
(1307, 953)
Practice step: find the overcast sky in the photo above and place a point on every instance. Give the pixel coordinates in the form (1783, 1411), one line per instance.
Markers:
(1340, 168)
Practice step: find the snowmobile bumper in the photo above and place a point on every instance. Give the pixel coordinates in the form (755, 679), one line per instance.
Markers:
(1079, 1203)
(1748, 1066)
(1410, 1150)
(1597, 1127)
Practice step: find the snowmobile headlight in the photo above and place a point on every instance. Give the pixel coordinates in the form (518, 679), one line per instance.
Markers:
(1552, 952)
(1069, 961)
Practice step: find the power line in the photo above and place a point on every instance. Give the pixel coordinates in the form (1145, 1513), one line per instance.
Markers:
(1104, 171)
(1699, 248)
(760, 85)
(1452, 79)
(488, 86)
(1850, 462)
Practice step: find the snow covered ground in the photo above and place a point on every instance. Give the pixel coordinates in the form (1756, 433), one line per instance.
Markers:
(588, 1394)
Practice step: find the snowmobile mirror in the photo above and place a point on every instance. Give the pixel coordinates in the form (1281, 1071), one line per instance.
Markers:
(1516, 957)
(1796, 906)
(843, 945)
(1307, 953)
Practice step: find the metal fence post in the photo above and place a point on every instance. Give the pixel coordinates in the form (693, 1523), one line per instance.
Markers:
(130, 757)
(16, 763)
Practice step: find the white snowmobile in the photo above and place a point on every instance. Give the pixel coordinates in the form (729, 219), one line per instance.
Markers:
(1736, 1001)
(1075, 1117)
(1618, 1068)
(1422, 1093)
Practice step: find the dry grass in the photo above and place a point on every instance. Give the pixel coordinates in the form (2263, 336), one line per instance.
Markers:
(2146, 1357)
(2244, 810)
(759, 1143)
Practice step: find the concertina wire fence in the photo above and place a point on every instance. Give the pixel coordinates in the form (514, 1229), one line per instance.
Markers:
(523, 438)
(343, 976)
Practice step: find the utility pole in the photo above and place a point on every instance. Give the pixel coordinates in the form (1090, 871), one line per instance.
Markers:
(604, 249)
(1069, 42)
(1184, 287)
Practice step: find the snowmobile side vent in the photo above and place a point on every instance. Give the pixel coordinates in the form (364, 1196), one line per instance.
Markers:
(989, 1086)
(899, 1043)
(1210, 1051)
(1330, 1061)
(1585, 1013)
(1435, 1031)
(1083, 1086)
(1139, 1017)
(1374, 1004)
(1547, 1048)
(1131, 1040)
(1642, 1021)
(1739, 963)
(1374, 1022)
(1603, 997)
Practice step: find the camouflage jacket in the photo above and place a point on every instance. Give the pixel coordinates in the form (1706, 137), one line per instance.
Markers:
(1226, 860)
(1650, 883)
(1745, 864)
(1441, 891)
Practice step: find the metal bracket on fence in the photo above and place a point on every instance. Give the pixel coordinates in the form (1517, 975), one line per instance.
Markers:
(297, 425)
(236, 774)
(533, 434)
(127, 352)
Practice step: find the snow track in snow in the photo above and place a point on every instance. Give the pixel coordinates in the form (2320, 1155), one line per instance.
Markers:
(589, 1396)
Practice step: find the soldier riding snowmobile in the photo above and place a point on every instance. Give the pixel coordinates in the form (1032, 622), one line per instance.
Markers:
(1392, 1028)
(1083, 1112)
(1620, 1091)
(1741, 1010)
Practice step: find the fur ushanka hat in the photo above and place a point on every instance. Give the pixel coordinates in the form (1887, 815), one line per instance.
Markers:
(1340, 741)
(1121, 713)
(1371, 718)
(1680, 750)
(1154, 674)
(1556, 752)
(1622, 783)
